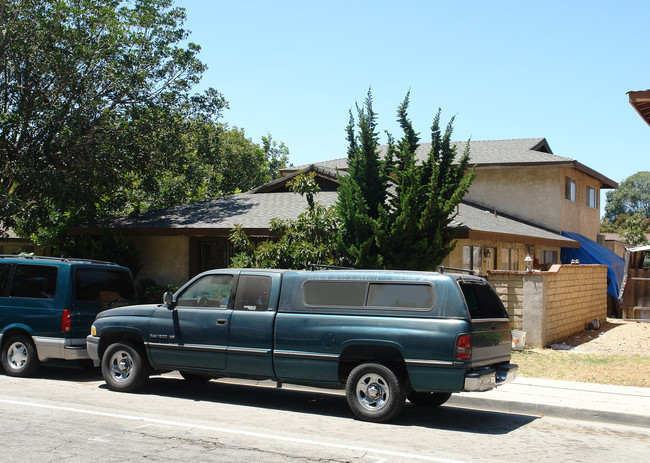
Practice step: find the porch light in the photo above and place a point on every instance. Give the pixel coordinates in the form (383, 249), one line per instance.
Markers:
(529, 262)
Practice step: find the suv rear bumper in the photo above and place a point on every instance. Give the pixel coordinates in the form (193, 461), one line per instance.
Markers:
(489, 378)
(59, 348)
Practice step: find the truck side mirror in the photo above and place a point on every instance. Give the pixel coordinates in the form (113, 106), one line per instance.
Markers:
(168, 300)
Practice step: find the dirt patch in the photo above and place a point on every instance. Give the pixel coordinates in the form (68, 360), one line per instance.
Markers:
(615, 337)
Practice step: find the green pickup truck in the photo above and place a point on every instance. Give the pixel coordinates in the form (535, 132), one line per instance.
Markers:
(384, 336)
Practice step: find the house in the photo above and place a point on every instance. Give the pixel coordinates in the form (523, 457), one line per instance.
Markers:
(640, 100)
(521, 200)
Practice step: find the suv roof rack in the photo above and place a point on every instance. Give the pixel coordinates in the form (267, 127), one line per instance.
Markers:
(57, 259)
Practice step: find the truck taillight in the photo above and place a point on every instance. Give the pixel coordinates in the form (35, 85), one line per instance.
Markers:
(464, 347)
(66, 321)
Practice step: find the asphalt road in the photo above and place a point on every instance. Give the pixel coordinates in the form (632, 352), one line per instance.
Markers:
(68, 415)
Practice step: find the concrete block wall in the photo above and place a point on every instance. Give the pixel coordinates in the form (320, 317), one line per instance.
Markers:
(510, 288)
(552, 305)
(576, 295)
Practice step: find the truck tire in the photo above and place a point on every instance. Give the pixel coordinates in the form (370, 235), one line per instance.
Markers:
(428, 399)
(124, 367)
(375, 392)
(19, 357)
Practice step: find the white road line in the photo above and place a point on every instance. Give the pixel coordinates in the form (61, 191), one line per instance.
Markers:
(233, 431)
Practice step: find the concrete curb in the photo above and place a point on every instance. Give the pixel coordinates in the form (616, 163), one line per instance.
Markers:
(555, 411)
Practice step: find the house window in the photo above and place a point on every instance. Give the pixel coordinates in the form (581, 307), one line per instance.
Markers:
(592, 197)
(472, 258)
(509, 259)
(214, 254)
(549, 257)
(569, 189)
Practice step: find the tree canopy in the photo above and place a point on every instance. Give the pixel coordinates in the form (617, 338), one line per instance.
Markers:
(97, 116)
(396, 211)
(631, 197)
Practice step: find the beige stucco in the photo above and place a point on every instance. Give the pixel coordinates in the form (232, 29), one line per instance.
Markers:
(536, 195)
(525, 193)
(577, 217)
(165, 259)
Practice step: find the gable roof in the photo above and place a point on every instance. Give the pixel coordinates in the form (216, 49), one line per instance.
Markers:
(486, 154)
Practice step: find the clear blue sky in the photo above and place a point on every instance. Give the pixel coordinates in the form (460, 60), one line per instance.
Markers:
(505, 69)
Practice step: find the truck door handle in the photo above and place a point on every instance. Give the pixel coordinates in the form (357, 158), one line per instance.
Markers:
(222, 321)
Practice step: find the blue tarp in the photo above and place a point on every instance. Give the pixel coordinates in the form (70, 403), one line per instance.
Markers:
(591, 252)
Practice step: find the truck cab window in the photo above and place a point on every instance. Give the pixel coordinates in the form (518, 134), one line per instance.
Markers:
(253, 293)
(209, 291)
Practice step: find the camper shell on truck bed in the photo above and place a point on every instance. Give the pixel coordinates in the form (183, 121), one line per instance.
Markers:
(383, 335)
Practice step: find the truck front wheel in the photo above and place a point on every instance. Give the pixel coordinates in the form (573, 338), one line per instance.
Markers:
(124, 367)
(375, 393)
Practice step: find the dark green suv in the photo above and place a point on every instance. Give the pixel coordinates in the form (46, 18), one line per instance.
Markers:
(47, 306)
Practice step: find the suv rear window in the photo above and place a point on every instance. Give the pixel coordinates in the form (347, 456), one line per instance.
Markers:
(103, 284)
(34, 281)
(482, 301)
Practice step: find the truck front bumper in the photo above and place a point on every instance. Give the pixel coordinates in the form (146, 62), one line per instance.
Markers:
(489, 378)
(92, 345)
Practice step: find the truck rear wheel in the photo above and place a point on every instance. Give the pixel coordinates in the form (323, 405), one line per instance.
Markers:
(428, 399)
(19, 357)
(124, 367)
(375, 392)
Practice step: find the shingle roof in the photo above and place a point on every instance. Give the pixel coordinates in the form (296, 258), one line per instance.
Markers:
(477, 218)
(253, 211)
(520, 152)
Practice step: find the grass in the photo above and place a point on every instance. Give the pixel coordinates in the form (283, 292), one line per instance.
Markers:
(588, 368)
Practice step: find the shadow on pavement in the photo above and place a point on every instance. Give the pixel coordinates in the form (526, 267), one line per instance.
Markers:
(333, 403)
(65, 371)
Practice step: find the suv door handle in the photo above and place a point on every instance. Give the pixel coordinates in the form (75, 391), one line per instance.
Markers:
(222, 321)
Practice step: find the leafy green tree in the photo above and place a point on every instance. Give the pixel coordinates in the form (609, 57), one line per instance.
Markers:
(410, 230)
(631, 197)
(363, 191)
(97, 117)
(310, 239)
(634, 229)
(85, 85)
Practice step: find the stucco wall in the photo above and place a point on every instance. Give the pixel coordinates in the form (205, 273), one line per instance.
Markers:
(165, 259)
(577, 217)
(537, 196)
(526, 193)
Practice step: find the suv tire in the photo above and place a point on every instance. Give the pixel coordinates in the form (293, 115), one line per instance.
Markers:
(19, 357)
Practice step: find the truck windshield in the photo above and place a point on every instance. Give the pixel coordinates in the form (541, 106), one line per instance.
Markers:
(482, 301)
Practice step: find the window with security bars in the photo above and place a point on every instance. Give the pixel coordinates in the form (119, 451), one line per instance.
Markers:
(214, 254)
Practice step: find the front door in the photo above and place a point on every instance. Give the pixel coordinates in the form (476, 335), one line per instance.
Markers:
(195, 334)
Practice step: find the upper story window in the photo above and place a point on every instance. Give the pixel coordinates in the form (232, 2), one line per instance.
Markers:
(569, 189)
(592, 197)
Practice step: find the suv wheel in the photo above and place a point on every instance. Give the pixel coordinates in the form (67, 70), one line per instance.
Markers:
(375, 392)
(19, 357)
(124, 367)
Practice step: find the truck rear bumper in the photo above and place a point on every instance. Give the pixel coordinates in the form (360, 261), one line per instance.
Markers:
(489, 378)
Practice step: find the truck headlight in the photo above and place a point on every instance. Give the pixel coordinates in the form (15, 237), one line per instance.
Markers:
(93, 330)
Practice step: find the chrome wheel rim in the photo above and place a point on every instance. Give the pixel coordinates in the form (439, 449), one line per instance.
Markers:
(121, 365)
(373, 392)
(17, 355)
